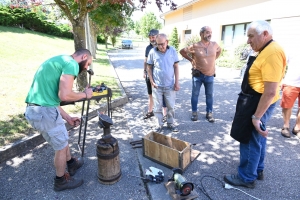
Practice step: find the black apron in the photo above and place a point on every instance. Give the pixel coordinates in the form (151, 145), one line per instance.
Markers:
(246, 106)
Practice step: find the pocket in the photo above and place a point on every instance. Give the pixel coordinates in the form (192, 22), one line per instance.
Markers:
(51, 113)
(58, 137)
(34, 118)
(243, 105)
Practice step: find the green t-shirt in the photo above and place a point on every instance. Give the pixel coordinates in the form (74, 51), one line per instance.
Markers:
(45, 85)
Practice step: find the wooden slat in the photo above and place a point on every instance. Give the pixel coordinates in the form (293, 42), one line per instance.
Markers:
(167, 150)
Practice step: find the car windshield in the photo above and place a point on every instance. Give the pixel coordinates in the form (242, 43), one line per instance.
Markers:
(126, 41)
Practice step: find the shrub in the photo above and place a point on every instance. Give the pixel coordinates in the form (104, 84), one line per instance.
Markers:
(29, 20)
(100, 39)
(231, 59)
(193, 39)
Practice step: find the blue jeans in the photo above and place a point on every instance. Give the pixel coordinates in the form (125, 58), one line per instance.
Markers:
(208, 82)
(169, 95)
(252, 155)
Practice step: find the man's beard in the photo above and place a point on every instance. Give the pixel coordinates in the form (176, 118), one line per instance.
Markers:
(82, 65)
(153, 42)
(207, 38)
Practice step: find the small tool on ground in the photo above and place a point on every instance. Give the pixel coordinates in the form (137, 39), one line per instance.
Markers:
(152, 175)
(137, 144)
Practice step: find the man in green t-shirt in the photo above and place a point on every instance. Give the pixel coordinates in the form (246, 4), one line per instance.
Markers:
(53, 83)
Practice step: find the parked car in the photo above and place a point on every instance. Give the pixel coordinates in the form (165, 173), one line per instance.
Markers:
(127, 44)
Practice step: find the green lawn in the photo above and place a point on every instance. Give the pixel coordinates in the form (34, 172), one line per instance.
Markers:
(21, 53)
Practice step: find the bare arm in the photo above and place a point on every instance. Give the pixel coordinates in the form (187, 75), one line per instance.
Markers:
(184, 53)
(264, 103)
(66, 93)
(219, 50)
(149, 67)
(145, 67)
(176, 73)
(73, 121)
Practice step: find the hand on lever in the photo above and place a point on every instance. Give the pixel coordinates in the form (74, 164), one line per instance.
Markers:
(89, 92)
(73, 121)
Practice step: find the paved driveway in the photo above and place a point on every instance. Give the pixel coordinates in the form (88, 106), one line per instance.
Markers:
(219, 152)
(30, 175)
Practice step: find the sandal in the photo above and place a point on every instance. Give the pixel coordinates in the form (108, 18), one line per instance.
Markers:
(165, 119)
(148, 115)
(285, 132)
(296, 132)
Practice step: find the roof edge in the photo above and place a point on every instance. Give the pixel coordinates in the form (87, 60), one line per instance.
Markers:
(181, 7)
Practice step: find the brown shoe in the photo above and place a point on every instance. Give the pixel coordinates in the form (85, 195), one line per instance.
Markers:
(72, 168)
(235, 180)
(296, 132)
(285, 132)
(210, 118)
(194, 116)
(66, 182)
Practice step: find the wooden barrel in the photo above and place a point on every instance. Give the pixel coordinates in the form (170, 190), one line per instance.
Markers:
(108, 161)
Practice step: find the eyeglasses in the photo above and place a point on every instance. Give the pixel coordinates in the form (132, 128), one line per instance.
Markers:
(161, 44)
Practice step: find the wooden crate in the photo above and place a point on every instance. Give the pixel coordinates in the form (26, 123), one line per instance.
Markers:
(165, 150)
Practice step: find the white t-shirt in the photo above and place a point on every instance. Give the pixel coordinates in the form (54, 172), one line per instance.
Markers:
(292, 77)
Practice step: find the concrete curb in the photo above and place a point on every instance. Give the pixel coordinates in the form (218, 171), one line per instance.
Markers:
(30, 142)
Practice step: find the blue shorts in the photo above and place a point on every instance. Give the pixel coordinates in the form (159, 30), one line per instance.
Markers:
(49, 122)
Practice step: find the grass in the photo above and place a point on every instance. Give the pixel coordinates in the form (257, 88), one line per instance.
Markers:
(21, 53)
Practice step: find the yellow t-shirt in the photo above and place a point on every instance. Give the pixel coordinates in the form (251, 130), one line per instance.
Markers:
(269, 66)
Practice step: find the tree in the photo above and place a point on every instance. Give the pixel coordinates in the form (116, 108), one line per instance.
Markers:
(137, 27)
(129, 25)
(76, 11)
(115, 20)
(159, 4)
(174, 39)
(149, 21)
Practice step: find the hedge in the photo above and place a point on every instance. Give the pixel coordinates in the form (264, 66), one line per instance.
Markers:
(29, 20)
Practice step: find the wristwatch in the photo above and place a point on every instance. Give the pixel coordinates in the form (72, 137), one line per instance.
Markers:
(256, 118)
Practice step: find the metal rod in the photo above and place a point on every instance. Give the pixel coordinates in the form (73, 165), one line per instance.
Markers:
(85, 126)
(82, 110)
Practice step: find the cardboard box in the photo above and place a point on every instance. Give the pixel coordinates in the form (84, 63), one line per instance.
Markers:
(165, 150)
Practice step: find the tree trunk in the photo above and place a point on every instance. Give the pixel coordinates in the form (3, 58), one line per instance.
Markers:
(106, 38)
(79, 36)
(78, 23)
(96, 42)
(79, 42)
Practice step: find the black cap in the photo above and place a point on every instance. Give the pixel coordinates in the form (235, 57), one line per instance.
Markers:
(153, 32)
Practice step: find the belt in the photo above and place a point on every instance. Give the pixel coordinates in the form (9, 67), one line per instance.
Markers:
(32, 104)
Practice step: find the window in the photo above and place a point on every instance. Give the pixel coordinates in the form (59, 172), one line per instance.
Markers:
(234, 34)
(187, 34)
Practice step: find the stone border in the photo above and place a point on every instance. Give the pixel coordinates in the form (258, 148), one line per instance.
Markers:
(30, 142)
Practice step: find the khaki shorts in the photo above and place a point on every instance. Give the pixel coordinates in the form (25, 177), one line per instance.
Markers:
(49, 122)
(289, 96)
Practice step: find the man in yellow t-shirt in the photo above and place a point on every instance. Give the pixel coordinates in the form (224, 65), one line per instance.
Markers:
(262, 79)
